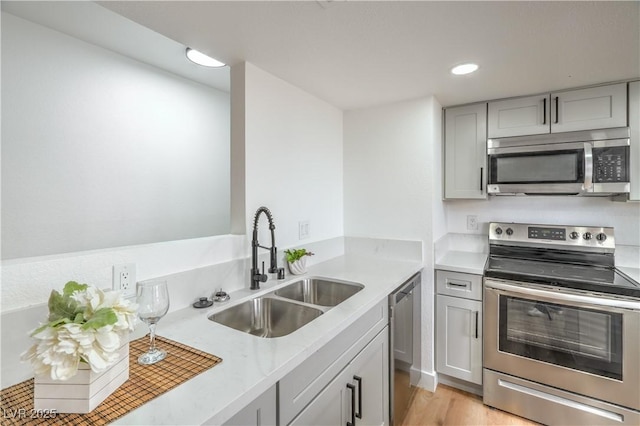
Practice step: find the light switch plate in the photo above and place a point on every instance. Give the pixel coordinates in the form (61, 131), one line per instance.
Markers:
(303, 229)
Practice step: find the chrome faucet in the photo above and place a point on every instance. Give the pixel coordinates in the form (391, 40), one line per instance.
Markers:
(258, 276)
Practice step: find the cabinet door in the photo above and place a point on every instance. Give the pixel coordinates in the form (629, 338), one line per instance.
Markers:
(259, 412)
(519, 117)
(465, 152)
(361, 390)
(634, 125)
(370, 375)
(459, 338)
(586, 109)
(329, 407)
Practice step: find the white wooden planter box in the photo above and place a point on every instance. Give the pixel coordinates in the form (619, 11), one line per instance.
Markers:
(83, 392)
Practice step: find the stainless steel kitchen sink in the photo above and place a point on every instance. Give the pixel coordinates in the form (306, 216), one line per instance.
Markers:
(266, 317)
(319, 291)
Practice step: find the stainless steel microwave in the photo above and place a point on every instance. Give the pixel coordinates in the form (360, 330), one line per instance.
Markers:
(573, 163)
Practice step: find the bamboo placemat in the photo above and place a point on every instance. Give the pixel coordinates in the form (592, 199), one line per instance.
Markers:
(145, 383)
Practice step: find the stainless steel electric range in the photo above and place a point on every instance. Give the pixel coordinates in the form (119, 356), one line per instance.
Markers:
(561, 326)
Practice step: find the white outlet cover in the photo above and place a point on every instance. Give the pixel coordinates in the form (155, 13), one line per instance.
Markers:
(124, 279)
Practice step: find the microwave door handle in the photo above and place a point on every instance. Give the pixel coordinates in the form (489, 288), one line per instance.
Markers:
(588, 168)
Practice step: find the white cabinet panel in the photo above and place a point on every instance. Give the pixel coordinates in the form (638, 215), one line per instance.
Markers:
(634, 125)
(370, 374)
(304, 383)
(260, 412)
(459, 338)
(328, 408)
(586, 109)
(519, 117)
(360, 391)
(465, 152)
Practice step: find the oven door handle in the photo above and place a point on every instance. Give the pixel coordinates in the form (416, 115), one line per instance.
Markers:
(556, 296)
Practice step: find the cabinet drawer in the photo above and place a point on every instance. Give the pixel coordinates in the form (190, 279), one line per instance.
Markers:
(300, 386)
(458, 284)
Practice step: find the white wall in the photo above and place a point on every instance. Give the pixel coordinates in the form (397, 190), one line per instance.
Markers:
(387, 158)
(294, 168)
(293, 160)
(391, 187)
(624, 217)
(100, 150)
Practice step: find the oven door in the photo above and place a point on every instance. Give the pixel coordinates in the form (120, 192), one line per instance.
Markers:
(578, 342)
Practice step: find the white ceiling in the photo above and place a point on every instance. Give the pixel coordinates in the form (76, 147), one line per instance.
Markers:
(91, 23)
(356, 54)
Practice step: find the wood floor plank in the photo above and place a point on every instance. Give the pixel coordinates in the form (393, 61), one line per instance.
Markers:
(449, 406)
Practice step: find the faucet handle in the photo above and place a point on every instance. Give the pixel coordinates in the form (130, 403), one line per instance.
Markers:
(262, 276)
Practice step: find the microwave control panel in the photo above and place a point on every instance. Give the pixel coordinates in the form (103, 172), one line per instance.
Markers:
(611, 164)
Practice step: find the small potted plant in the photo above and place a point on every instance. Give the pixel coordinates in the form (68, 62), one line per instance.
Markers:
(297, 260)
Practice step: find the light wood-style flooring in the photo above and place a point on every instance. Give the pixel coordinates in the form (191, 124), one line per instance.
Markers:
(450, 406)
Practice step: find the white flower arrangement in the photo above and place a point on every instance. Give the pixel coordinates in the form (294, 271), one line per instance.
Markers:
(85, 324)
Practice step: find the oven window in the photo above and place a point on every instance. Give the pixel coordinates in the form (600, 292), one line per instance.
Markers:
(577, 338)
(559, 167)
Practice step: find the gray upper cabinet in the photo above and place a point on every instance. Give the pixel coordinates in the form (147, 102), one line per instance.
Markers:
(583, 109)
(634, 126)
(586, 109)
(519, 117)
(465, 151)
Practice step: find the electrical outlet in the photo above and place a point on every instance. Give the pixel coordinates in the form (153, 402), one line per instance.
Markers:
(472, 223)
(303, 229)
(124, 279)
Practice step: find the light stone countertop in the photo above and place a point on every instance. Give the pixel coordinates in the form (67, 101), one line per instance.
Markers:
(462, 261)
(251, 365)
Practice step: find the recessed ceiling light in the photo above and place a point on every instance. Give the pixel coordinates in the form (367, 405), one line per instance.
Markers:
(464, 69)
(202, 59)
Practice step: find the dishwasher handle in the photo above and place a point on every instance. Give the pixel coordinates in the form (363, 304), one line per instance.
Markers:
(401, 293)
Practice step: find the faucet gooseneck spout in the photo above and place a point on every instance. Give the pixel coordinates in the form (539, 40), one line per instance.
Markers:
(258, 276)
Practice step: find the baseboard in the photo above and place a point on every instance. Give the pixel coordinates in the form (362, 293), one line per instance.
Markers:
(459, 384)
(428, 380)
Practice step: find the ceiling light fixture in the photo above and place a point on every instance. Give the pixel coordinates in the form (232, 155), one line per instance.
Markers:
(202, 59)
(464, 69)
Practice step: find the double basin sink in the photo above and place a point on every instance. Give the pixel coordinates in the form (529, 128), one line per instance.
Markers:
(287, 309)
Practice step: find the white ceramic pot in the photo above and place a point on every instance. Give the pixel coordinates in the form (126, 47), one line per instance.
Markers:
(298, 267)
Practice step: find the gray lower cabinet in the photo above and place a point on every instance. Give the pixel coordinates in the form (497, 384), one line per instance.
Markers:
(355, 364)
(358, 395)
(634, 126)
(259, 412)
(459, 326)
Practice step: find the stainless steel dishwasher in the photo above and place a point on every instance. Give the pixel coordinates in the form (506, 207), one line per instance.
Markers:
(401, 337)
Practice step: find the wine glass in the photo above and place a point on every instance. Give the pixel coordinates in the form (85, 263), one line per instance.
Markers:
(153, 304)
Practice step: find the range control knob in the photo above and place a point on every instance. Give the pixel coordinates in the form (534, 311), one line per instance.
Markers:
(498, 231)
(601, 237)
(574, 235)
(509, 231)
(587, 236)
